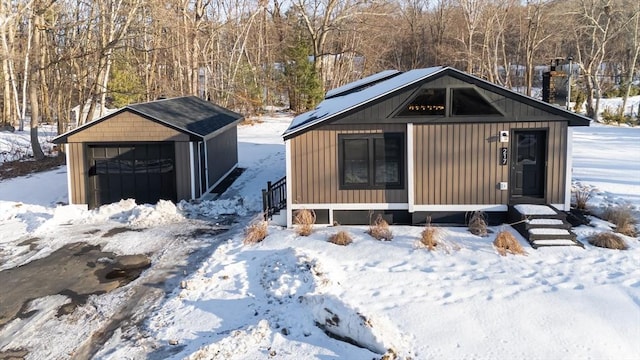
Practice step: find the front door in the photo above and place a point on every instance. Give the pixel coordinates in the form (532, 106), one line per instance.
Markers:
(528, 166)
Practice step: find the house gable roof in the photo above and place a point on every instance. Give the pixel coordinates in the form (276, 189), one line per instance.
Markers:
(339, 105)
(189, 114)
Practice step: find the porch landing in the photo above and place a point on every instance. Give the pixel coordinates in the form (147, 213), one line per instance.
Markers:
(542, 225)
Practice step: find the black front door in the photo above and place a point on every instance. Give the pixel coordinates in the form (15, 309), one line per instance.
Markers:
(528, 166)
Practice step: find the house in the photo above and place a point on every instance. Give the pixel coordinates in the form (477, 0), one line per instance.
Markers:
(434, 142)
(174, 149)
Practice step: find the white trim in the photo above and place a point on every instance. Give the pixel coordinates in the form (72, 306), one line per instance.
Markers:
(206, 166)
(410, 168)
(193, 171)
(289, 179)
(218, 182)
(350, 206)
(467, 207)
(68, 159)
(569, 172)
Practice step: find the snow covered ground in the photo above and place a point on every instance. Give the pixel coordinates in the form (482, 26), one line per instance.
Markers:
(273, 299)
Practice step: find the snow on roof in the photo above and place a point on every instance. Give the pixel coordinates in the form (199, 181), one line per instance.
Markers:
(361, 83)
(337, 105)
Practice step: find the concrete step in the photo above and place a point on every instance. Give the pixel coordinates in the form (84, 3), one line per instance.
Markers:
(547, 223)
(550, 233)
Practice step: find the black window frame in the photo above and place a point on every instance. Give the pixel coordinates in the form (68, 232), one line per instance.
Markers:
(371, 161)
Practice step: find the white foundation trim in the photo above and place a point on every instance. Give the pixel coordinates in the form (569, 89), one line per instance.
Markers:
(192, 170)
(69, 187)
(469, 207)
(569, 172)
(289, 179)
(410, 168)
(350, 206)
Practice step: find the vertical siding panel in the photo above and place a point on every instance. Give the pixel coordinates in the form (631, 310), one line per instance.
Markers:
(482, 149)
(464, 165)
(455, 163)
(437, 164)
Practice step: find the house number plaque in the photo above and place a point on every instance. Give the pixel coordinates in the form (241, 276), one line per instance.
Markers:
(503, 156)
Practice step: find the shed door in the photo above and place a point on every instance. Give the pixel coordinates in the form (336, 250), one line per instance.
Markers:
(144, 172)
(528, 166)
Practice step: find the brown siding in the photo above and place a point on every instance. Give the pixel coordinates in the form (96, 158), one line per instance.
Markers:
(127, 127)
(222, 154)
(314, 166)
(183, 171)
(77, 173)
(457, 164)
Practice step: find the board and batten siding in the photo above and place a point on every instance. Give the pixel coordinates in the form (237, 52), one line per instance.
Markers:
(222, 154)
(78, 173)
(127, 127)
(458, 164)
(314, 166)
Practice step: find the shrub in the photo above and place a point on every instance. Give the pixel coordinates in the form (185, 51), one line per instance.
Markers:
(582, 195)
(622, 217)
(256, 231)
(478, 223)
(304, 219)
(505, 243)
(430, 237)
(379, 229)
(341, 238)
(607, 240)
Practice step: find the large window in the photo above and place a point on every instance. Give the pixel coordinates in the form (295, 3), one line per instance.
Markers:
(371, 161)
(467, 101)
(426, 102)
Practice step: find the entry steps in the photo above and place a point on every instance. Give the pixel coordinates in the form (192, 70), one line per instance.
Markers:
(542, 225)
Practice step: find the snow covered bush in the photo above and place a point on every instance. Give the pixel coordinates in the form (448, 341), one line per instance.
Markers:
(304, 220)
(341, 238)
(380, 230)
(505, 243)
(607, 240)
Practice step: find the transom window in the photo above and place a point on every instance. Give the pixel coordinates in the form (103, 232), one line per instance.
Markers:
(461, 101)
(370, 161)
(426, 102)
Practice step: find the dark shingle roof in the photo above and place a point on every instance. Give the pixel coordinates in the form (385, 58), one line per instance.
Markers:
(189, 114)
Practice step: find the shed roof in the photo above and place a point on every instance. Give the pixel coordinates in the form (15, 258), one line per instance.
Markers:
(388, 83)
(189, 114)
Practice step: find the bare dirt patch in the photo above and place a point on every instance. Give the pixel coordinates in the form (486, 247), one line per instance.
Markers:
(12, 169)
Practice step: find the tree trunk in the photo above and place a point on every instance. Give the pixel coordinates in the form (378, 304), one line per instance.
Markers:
(34, 85)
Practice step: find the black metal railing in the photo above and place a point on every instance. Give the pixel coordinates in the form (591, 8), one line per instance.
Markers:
(274, 197)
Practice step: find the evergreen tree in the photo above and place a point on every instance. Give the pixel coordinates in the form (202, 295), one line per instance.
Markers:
(303, 84)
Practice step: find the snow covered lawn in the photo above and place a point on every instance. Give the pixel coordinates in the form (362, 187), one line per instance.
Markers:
(275, 299)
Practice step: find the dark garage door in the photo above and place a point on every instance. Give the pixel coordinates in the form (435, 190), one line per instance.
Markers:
(144, 172)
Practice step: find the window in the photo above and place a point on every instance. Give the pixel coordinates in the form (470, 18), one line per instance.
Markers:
(371, 161)
(426, 102)
(467, 101)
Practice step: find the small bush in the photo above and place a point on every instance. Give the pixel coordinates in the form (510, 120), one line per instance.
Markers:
(582, 194)
(431, 237)
(607, 240)
(304, 219)
(478, 223)
(341, 238)
(256, 231)
(379, 229)
(505, 243)
(622, 217)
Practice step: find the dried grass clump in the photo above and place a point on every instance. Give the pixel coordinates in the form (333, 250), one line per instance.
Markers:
(430, 236)
(607, 240)
(341, 238)
(582, 194)
(478, 223)
(304, 220)
(379, 229)
(256, 231)
(505, 243)
(622, 217)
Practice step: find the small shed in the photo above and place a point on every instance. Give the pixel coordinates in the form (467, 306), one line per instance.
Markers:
(172, 149)
(434, 142)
